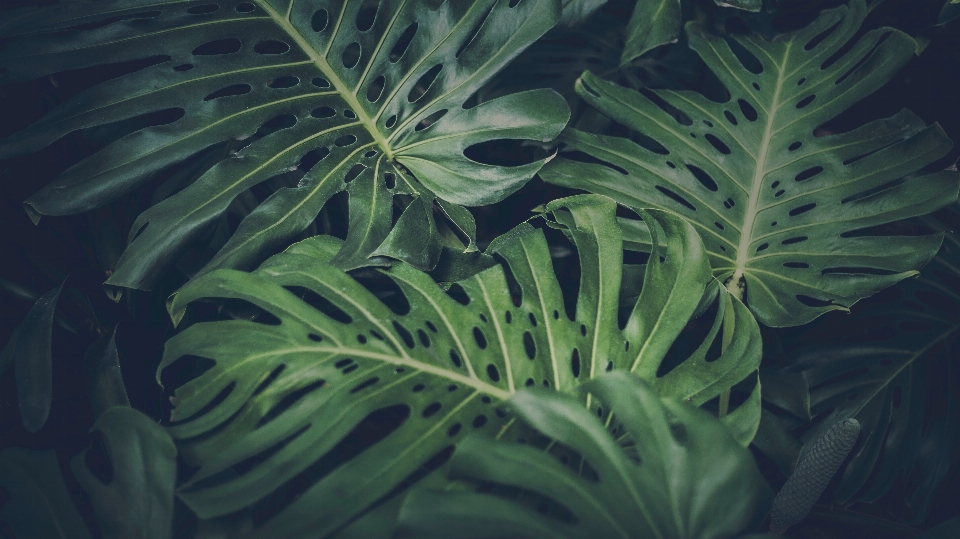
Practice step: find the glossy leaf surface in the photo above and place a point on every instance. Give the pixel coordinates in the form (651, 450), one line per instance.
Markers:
(431, 368)
(655, 468)
(353, 96)
(781, 210)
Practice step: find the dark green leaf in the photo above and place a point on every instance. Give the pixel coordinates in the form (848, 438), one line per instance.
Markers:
(101, 365)
(653, 23)
(748, 5)
(34, 361)
(440, 365)
(39, 506)
(776, 204)
(660, 468)
(137, 500)
(321, 99)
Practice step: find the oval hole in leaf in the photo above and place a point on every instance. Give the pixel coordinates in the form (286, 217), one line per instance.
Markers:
(806, 101)
(220, 46)
(423, 84)
(232, 90)
(717, 143)
(323, 112)
(677, 198)
(367, 14)
(582, 157)
(320, 303)
(796, 265)
(375, 90)
(246, 7)
(403, 42)
(320, 82)
(270, 47)
(311, 158)
(529, 346)
(703, 178)
(480, 338)
(183, 67)
(430, 120)
(795, 239)
(288, 81)
(404, 334)
(354, 171)
(345, 140)
(809, 173)
(319, 20)
(748, 111)
(802, 209)
(493, 373)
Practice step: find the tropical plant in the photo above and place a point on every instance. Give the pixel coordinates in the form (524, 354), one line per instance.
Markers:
(894, 369)
(655, 468)
(785, 213)
(370, 98)
(327, 355)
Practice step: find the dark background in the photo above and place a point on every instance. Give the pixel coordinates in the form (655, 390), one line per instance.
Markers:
(83, 248)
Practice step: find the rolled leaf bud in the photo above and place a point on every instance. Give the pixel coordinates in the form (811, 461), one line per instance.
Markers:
(806, 483)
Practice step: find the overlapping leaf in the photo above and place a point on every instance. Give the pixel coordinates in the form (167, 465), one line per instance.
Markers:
(362, 96)
(433, 367)
(781, 210)
(683, 477)
(892, 366)
(39, 506)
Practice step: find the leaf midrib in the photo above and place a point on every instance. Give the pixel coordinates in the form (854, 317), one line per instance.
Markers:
(321, 62)
(759, 173)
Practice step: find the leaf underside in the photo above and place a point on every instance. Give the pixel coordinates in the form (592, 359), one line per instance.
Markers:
(315, 98)
(781, 205)
(440, 363)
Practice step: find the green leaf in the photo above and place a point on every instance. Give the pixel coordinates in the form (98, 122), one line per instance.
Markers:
(137, 500)
(39, 506)
(34, 361)
(431, 367)
(945, 530)
(891, 367)
(322, 99)
(949, 12)
(660, 469)
(101, 365)
(653, 23)
(779, 207)
(576, 12)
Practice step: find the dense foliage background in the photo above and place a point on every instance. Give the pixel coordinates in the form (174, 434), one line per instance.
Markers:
(83, 249)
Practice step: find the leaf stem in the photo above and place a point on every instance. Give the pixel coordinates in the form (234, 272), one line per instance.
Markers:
(734, 286)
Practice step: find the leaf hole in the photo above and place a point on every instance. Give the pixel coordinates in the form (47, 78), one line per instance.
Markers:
(367, 14)
(390, 180)
(430, 120)
(375, 90)
(454, 430)
(311, 158)
(320, 82)
(321, 304)
(809, 173)
(762, 247)
(702, 177)
(391, 121)
(729, 203)
(229, 91)
(676, 198)
(404, 334)
(403, 42)
(718, 225)
(345, 140)
(678, 115)
(747, 59)
(288, 81)
(455, 358)
(288, 401)
(818, 39)
(493, 373)
(480, 338)
(717, 143)
(802, 209)
(351, 55)
(796, 265)
(582, 157)
(748, 111)
(183, 67)
(220, 46)
(431, 409)
(730, 117)
(575, 363)
(530, 382)
(458, 294)
(319, 20)
(529, 346)
(424, 338)
(245, 7)
(364, 385)
(779, 193)
(423, 84)
(756, 86)
(271, 47)
(795, 239)
(354, 171)
(479, 421)
(806, 101)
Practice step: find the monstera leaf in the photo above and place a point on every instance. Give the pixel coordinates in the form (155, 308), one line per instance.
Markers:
(270, 423)
(893, 367)
(363, 96)
(784, 213)
(684, 476)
